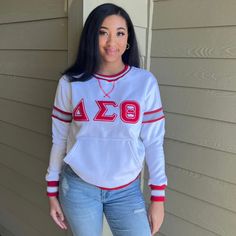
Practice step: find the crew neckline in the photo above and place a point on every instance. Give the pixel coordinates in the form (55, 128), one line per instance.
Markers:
(114, 77)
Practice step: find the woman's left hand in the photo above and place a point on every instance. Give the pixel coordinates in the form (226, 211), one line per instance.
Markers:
(156, 216)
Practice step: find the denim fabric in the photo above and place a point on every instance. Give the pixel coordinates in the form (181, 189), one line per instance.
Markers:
(84, 204)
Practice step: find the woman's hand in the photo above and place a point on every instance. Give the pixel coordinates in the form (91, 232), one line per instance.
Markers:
(56, 212)
(156, 216)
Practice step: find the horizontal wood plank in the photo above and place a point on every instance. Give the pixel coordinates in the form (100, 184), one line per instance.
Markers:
(35, 64)
(219, 74)
(211, 104)
(26, 116)
(159, 234)
(21, 185)
(27, 90)
(180, 225)
(208, 133)
(14, 225)
(4, 231)
(173, 226)
(26, 141)
(23, 163)
(195, 43)
(28, 213)
(36, 35)
(213, 163)
(209, 217)
(214, 191)
(201, 13)
(28, 10)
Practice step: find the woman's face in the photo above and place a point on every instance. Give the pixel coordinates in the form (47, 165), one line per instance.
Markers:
(113, 36)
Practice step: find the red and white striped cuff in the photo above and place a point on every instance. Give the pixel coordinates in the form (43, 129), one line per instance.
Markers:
(153, 116)
(158, 193)
(52, 188)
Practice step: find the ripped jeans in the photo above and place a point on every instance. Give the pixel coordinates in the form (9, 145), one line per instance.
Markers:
(83, 205)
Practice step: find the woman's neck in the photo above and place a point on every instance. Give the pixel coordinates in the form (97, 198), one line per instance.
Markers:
(111, 68)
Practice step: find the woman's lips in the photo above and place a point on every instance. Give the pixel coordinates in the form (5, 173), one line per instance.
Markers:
(110, 51)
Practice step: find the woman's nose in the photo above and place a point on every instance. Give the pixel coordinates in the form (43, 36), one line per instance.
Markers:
(111, 39)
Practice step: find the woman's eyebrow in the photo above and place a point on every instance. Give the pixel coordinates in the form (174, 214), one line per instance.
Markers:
(119, 28)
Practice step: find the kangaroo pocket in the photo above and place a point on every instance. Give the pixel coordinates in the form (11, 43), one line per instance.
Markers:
(104, 162)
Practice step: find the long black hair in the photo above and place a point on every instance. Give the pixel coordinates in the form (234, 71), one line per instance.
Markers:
(88, 58)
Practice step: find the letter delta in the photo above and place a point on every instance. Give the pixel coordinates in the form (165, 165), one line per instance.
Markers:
(129, 111)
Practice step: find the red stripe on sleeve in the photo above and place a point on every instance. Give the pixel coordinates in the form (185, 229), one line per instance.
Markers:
(157, 199)
(150, 121)
(64, 112)
(53, 183)
(67, 121)
(56, 194)
(157, 187)
(154, 111)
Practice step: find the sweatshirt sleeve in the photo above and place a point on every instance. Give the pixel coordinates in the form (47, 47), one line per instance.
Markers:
(61, 120)
(152, 135)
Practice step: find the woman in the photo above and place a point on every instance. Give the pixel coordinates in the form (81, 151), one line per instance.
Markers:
(107, 118)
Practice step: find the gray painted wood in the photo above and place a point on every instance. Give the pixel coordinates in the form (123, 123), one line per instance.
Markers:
(193, 58)
(30, 91)
(208, 133)
(24, 164)
(185, 13)
(216, 42)
(219, 74)
(35, 35)
(20, 184)
(213, 191)
(216, 164)
(204, 103)
(27, 214)
(141, 38)
(27, 116)
(28, 10)
(201, 213)
(75, 25)
(138, 11)
(35, 144)
(35, 64)
(15, 225)
(5, 232)
(175, 226)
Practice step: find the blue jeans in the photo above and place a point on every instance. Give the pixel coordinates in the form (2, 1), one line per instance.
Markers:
(84, 204)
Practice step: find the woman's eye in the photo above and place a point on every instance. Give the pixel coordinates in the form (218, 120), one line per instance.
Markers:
(101, 32)
(120, 33)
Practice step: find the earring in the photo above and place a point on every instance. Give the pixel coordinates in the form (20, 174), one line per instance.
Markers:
(128, 46)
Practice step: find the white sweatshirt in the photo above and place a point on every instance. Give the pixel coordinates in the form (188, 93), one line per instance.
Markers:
(106, 127)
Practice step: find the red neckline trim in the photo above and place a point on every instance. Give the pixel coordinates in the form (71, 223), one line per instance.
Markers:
(115, 75)
(111, 78)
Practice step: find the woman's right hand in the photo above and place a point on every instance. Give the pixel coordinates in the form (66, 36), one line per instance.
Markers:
(56, 212)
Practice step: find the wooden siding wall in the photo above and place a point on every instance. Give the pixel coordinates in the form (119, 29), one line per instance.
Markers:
(33, 53)
(193, 55)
